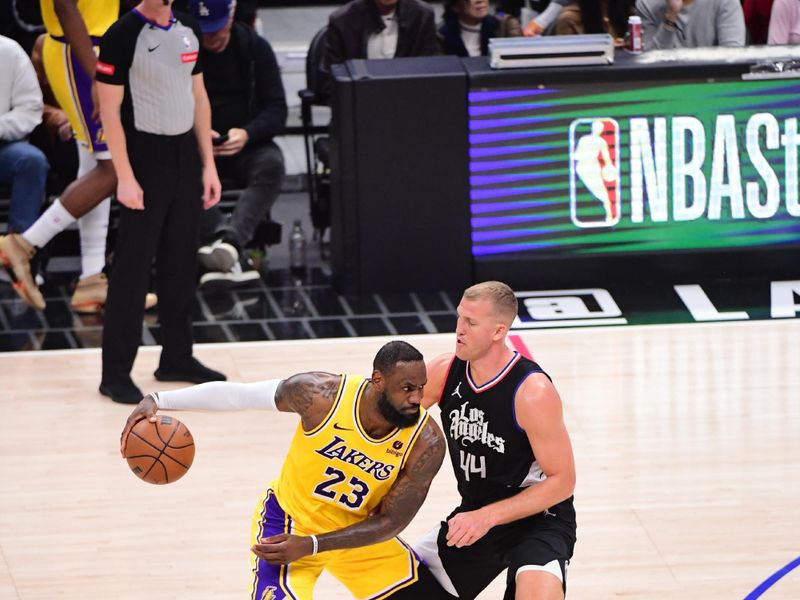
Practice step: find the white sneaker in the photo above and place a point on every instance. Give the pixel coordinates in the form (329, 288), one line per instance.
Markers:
(219, 256)
(242, 273)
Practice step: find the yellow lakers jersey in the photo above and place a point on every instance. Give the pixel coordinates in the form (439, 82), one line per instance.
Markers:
(97, 14)
(336, 474)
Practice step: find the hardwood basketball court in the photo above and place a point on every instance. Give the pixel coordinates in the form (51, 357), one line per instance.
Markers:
(687, 444)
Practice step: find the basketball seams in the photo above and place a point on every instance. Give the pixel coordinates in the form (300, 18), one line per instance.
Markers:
(183, 432)
(158, 462)
(168, 443)
(148, 442)
(162, 453)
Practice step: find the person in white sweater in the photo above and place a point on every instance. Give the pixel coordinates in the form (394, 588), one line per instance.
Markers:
(22, 166)
(668, 24)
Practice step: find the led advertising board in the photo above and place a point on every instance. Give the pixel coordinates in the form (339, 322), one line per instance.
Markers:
(632, 168)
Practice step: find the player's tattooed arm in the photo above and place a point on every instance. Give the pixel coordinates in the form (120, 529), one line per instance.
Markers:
(402, 502)
(395, 511)
(308, 394)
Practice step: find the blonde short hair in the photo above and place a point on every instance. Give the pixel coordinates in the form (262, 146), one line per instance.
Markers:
(499, 294)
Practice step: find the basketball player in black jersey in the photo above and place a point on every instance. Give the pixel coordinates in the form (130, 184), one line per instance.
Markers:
(512, 458)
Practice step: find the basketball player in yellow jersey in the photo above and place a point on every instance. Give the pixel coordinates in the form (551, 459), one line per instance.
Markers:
(74, 29)
(358, 469)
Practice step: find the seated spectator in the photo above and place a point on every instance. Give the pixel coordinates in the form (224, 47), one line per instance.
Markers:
(377, 29)
(668, 24)
(248, 109)
(756, 18)
(22, 165)
(380, 29)
(784, 24)
(593, 16)
(467, 27)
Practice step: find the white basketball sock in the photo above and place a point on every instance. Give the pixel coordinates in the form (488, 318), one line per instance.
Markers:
(54, 220)
(94, 228)
(93, 225)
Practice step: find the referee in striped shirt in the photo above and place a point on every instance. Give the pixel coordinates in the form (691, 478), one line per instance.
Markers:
(157, 121)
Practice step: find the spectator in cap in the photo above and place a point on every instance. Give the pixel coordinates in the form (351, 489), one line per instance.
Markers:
(248, 109)
(246, 10)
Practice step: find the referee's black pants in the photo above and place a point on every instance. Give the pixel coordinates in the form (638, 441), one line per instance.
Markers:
(169, 170)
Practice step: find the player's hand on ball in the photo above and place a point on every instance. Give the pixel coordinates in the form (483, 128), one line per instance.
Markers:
(283, 548)
(146, 409)
(467, 528)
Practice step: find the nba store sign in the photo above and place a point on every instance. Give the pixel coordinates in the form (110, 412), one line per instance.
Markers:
(680, 170)
(581, 170)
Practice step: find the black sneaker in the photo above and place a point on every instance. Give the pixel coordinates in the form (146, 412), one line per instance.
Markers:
(243, 273)
(124, 392)
(222, 255)
(193, 371)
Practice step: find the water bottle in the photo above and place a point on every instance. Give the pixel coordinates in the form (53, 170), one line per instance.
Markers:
(297, 250)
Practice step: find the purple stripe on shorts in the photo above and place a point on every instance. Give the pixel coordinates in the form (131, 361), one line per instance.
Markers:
(268, 577)
(83, 88)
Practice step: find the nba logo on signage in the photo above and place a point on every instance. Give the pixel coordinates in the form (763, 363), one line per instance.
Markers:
(594, 174)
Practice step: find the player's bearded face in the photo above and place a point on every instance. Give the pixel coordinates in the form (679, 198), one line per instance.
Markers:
(395, 416)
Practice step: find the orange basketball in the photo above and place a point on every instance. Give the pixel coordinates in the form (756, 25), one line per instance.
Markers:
(159, 452)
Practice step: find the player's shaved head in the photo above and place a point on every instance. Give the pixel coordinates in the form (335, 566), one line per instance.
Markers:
(393, 353)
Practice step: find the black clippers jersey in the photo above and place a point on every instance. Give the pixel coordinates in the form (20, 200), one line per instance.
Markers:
(492, 457)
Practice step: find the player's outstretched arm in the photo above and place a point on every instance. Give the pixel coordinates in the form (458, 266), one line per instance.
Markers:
(395, 511)
(308, 394)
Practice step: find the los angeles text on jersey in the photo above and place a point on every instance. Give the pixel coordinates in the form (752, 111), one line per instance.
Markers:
(469, 426)
(338, 450)
(670, 157)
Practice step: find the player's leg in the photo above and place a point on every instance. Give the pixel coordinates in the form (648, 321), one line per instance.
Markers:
(538, 563)
(375, 571)
(462, 572)
(72, 89)
(426, 587)
(92, 289)
(538, 585)
(277, 582)
(82, 195)
(86, 192)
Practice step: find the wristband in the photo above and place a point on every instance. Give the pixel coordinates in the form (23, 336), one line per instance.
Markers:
(314, 544)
